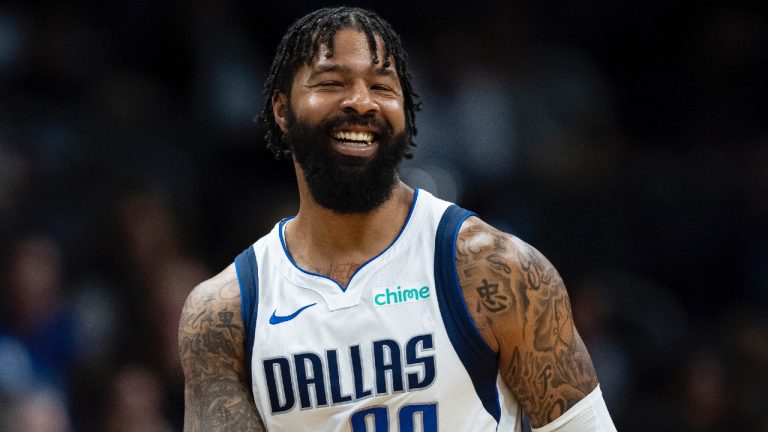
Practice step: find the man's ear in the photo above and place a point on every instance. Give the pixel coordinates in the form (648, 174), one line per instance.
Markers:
(279, 108)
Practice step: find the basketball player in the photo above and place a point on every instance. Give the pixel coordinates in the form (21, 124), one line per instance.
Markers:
(377, 307)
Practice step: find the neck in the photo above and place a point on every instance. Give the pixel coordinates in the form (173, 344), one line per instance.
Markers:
(333, 244)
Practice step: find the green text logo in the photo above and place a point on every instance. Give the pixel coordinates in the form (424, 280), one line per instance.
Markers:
(390, 296)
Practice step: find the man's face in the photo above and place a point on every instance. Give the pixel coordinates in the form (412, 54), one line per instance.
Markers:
(345, 125)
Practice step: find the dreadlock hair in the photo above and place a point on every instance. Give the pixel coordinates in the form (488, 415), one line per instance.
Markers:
(303, 41)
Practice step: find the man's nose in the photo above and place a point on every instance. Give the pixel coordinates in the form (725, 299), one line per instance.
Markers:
(358, 100)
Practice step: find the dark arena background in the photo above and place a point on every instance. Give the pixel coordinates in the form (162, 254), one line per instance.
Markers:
(628, 141)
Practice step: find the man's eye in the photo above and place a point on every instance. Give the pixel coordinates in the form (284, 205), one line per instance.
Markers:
(380, 87)
(330, 84)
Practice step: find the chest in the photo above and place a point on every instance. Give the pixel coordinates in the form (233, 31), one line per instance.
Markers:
(395, 301)
(316, 346)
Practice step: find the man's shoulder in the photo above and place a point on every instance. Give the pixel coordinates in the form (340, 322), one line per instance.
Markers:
(210, 326)
(520, 307)
(479, 239)
(217, 394)
(219, 292)
(483, 250)
(500, 277)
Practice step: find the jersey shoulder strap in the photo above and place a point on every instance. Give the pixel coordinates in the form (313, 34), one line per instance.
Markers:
(478, 358)
(248, 276)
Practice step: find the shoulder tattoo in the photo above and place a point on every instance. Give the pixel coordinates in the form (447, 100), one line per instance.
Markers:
(210, 345)
(521, 306)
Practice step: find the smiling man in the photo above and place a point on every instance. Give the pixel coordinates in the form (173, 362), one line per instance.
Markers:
(377, 307)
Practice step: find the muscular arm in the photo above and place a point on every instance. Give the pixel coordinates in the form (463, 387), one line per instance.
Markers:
(211, 345)
(520, 305)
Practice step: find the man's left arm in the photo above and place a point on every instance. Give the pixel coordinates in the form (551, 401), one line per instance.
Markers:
(521, 308)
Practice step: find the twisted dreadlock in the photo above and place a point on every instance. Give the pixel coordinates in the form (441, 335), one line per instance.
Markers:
(303, 41)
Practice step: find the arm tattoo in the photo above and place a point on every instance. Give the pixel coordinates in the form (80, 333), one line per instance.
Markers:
(490, 299)
(521, 307)
(210, 343)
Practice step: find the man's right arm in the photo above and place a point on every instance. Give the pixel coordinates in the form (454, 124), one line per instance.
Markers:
(216, 393)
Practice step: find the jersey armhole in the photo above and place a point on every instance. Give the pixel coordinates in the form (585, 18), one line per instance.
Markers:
(479, 360)
(248, 278)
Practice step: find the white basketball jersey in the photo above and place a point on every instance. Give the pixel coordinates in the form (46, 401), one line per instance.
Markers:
(396, 350)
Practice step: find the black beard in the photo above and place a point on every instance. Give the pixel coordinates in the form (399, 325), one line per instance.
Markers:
(346, 184)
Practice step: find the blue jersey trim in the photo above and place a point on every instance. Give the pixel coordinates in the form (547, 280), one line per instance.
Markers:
(479, 360)
(344, 289)
(248, 277)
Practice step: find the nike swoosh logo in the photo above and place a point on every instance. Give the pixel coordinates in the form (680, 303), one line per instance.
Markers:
(277, 319)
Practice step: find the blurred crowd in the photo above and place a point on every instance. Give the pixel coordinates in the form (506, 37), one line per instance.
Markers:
(626, 141)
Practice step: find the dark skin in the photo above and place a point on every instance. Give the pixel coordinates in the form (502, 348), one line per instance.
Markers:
(319, 239)
(211, 346)
(515, 296)
(520, 305)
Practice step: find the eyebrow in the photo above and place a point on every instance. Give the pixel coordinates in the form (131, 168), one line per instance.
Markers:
(344, 69)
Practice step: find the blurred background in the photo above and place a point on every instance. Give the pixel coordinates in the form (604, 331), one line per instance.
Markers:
(628, 141)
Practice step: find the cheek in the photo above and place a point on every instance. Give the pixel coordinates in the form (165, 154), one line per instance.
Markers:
(317, 101)
(395, 114)
(313, 107)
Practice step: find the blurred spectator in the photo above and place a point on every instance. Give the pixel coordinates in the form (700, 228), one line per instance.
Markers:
(39, 410)
(36, 312)
(745, 336)
(702, 405)
(593, 314)
(175, 280)
(147, 235)
(16, 373)
(135, 402)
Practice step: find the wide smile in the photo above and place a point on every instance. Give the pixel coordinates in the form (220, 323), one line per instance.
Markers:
(359, 143)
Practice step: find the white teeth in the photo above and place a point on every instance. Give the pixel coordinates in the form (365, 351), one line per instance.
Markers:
(354, 136)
